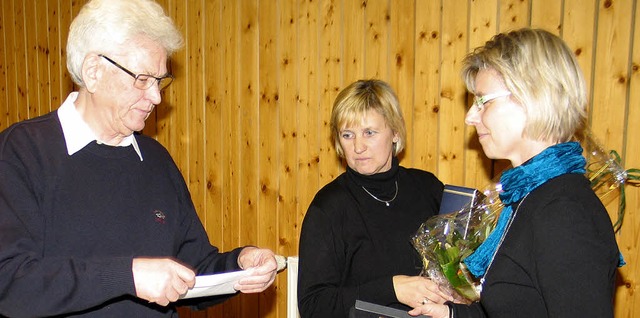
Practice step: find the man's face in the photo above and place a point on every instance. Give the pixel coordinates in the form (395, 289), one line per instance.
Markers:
(124, 108)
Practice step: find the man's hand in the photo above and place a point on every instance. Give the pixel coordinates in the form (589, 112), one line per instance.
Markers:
(161, 280)
(263, 266)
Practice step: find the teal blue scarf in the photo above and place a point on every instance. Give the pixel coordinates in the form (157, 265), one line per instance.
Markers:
(516, 184)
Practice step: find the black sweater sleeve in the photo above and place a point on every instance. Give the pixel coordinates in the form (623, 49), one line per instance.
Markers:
(59, 284)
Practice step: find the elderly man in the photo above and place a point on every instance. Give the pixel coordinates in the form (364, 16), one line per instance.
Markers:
(96, 221)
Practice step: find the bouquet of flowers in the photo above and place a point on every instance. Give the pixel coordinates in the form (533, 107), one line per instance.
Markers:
(607, 175)
(445, 240)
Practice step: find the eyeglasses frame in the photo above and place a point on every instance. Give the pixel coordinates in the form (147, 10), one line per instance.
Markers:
(137, 76)
(479, 101)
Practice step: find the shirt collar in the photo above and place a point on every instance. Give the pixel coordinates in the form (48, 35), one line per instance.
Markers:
(77, 134)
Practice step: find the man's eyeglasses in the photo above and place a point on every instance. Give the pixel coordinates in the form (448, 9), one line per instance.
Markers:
(144, 81)
(479, 101)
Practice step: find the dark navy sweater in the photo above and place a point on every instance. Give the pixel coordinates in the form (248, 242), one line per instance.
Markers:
(70, 226)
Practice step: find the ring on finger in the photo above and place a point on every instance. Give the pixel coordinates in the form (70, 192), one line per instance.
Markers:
(425, 301)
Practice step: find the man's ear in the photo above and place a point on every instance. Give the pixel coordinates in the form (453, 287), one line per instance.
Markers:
(92, 71)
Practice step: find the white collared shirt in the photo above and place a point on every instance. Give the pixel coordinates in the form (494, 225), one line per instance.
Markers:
(77, 134)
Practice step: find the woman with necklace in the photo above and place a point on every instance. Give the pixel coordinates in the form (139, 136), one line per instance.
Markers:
(355, 240)
(553, 252)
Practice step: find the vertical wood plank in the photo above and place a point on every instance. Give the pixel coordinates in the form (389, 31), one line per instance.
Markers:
(249, 142)
(214, 126)
(213, 47)
(180, 106)
(426, 106)
(10, 61)
(19, 110)
(272, 136)
(353, 35)
(547, 14)
(286, 202)
(330, 79)
(514, 14)
(309, 120)
(376, 40)
(610, 71)
(4, 87)
(42, 58)
(578, 31)
(196, 119)
(401, 64)
(231, 116)
(452, 93)
(30, 70)
(56, 65)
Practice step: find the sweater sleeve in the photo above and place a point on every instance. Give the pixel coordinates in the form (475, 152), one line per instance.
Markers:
(322, 267)
(34, 285)
(194, 247)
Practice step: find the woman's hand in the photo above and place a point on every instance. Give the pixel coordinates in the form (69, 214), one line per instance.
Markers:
(414, 291)
(430, 309)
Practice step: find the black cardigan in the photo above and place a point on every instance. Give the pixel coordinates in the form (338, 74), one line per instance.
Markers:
(559, 257)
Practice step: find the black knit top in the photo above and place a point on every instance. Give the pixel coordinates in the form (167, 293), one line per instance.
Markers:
(352, 245)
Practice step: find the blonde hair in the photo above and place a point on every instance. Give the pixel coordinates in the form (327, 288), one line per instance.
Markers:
(102, 25)
(542, 74)
(353, 103)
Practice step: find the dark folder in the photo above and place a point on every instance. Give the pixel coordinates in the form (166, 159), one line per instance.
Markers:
(456, 198)
(365, 309)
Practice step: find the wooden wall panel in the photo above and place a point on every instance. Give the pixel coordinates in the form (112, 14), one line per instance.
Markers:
(4, 104)
(376, 39)
(247, 118)
(287, 151)
(231, 112)
(453, 47)
(10, 33)
(353, 41)
(308, 108)
(329, 29)
(426, 87)
(30, 70)
(402, 62)
(578, 32)
(547, 14)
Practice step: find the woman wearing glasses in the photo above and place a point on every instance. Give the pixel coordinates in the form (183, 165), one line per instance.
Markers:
(553, 253)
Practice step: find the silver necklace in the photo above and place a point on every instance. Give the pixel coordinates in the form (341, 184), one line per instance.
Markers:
(383, 201)
(504, 234)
